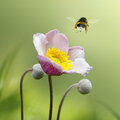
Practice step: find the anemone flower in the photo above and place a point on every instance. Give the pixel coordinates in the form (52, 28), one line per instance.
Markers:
(56, 57)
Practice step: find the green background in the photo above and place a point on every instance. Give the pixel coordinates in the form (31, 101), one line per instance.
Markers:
(20, 19)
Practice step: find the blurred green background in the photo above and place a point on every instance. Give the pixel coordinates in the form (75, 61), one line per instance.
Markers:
(20, 19)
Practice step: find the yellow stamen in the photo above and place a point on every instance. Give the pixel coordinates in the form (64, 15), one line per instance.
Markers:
(59, 57)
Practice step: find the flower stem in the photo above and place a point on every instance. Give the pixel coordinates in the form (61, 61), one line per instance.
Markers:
(21, 91)
(62, 100)
(51, 97)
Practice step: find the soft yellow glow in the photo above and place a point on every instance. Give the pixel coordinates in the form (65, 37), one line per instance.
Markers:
(59, 57)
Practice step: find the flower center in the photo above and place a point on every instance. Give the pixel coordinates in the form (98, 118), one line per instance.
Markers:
(59, 57)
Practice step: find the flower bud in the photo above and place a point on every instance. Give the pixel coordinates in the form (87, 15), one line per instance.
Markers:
(84, 86)
(37, 72)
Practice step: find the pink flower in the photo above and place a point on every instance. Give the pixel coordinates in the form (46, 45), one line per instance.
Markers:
(56, 57)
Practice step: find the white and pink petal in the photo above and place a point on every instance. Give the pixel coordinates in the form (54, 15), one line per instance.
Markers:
(50, 35)
(50, 67)
(57, 40)
(80, 66)
(40, 42)
(76, 52)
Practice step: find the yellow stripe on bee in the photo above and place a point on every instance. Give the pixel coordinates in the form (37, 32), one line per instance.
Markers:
(82, 23)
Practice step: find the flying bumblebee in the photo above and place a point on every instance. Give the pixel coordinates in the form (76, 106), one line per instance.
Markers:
(82, 23)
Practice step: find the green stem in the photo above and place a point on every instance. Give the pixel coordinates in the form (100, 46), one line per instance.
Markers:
(21, 91)
(51, 97)
(63, 98)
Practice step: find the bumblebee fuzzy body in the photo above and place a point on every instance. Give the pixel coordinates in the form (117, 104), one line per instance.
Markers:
(82, 24)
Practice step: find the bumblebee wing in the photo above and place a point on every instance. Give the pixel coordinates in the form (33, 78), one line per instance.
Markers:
(93, 21)
(71, 19)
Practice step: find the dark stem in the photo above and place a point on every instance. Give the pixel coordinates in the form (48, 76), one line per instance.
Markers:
(62, 100)
(51, 97)
(21, 92)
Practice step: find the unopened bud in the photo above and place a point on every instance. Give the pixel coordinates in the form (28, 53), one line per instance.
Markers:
(84, 86)
(37, 72)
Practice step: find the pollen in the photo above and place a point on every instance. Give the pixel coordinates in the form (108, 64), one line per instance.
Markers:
(59, 57)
